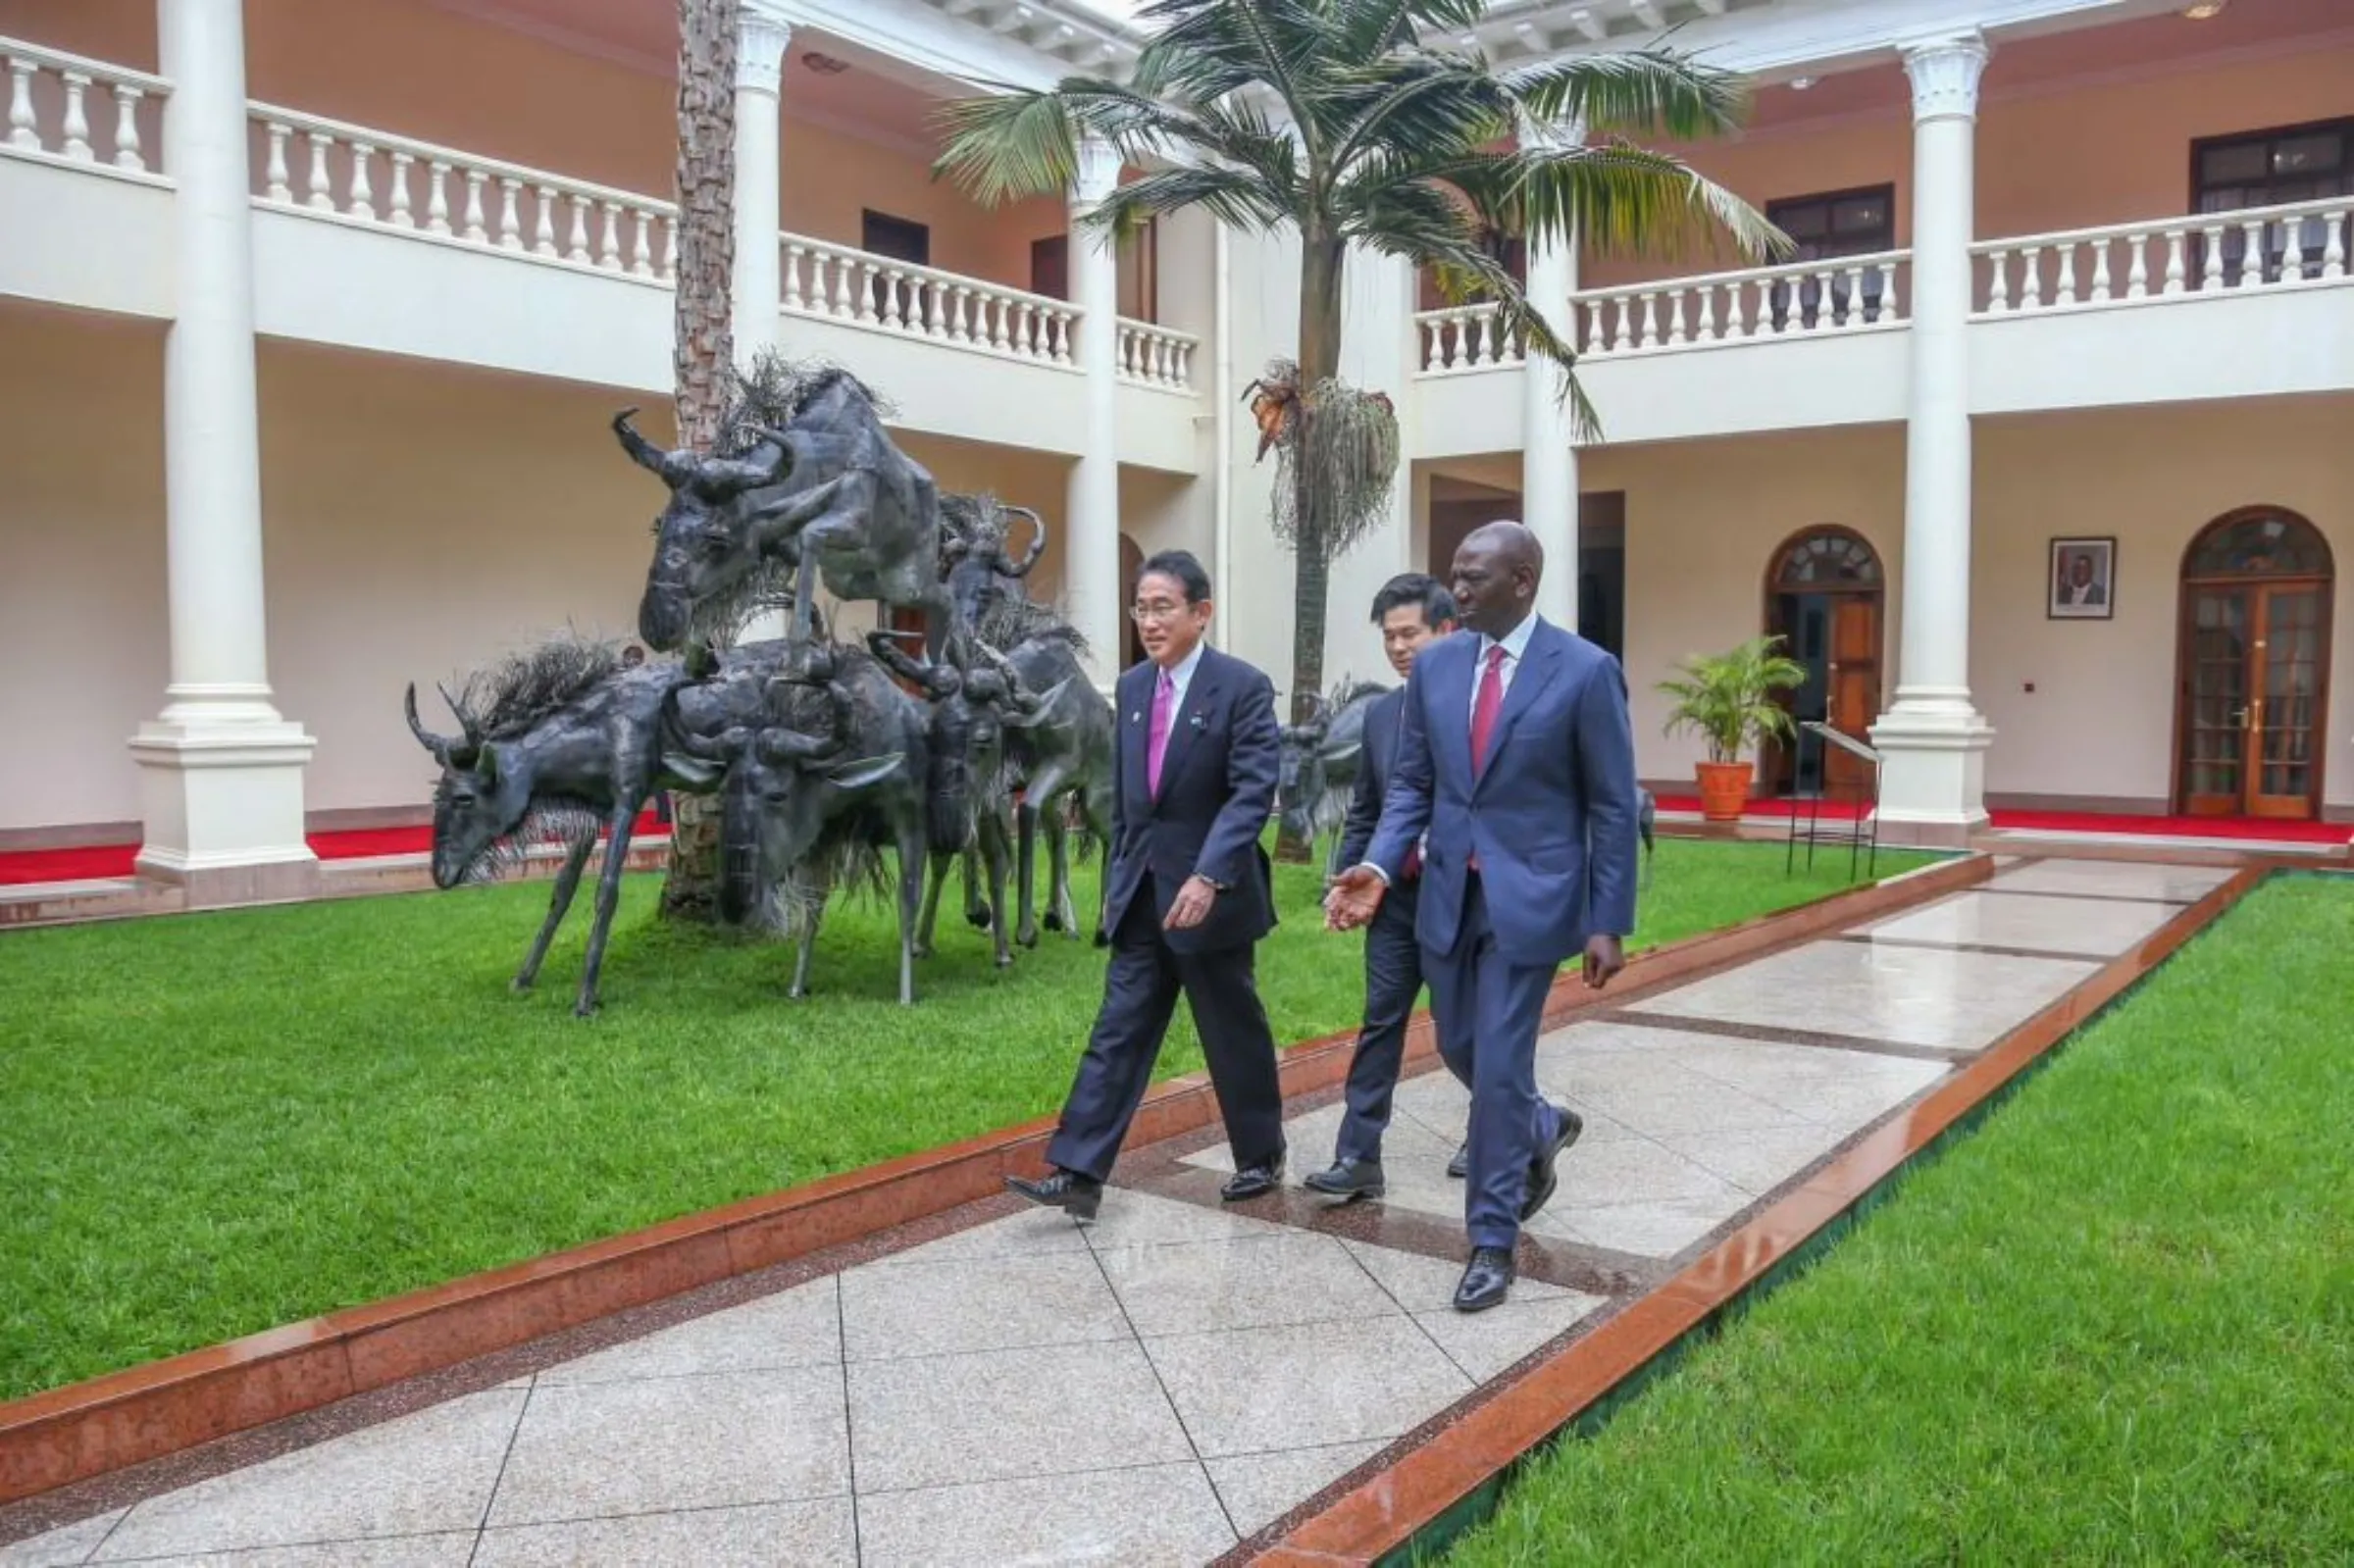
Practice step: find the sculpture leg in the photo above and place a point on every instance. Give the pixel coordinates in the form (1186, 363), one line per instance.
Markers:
(1060, 917)
(976, 913)
(911, 881)
(801, 961)
(941, 862)
(608, 900)
(568, 881)
(1025, 859)
(993, 855)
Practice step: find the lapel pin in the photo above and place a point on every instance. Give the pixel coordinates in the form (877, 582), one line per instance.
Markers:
(1136, 718)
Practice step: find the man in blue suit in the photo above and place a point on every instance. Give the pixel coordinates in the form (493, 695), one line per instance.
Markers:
(1413, 611)
(1516, 773)
(1187, 896)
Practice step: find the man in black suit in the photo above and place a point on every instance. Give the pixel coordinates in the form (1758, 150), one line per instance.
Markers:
(1411, 610)
(1187, 896)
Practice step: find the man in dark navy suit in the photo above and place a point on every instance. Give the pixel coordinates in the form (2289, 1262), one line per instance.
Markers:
(1515, 775)
(1187, 896)
(1412, 610)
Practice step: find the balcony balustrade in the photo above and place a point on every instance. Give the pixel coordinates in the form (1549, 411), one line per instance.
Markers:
(2168, 258)
(51, 96)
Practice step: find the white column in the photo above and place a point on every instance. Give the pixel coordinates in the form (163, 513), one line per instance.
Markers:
(1935, 741)
(1091, 529)
(1548, 449)
(757, 285)
(221, 771)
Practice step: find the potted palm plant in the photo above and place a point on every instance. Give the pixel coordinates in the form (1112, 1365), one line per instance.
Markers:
(1729, 700)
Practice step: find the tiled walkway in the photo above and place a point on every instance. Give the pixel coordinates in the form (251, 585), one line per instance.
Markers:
(1160, 1388)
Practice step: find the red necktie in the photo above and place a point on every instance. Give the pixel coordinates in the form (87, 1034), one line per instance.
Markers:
(1489, 704)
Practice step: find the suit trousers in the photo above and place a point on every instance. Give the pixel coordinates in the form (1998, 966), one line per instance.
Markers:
(1141, 986)
(1487, 1011)
(1393, 980)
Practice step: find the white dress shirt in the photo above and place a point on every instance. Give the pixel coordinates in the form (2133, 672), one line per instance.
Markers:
(1179, 679)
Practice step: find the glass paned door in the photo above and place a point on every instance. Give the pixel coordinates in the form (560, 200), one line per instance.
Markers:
(2214, 738)
(2287, 719)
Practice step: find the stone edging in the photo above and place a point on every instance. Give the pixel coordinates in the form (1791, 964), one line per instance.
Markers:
(87, 1429)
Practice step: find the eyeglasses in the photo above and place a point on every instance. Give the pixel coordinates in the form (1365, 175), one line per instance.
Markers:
(1157, 610)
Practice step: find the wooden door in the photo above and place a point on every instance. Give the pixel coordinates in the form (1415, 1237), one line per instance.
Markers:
(2285, 722)
(1854, 699)
(2253, 711)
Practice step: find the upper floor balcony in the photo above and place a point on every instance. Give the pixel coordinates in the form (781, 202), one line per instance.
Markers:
(369, 235)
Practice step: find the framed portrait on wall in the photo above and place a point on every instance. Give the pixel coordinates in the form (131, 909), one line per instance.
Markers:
(2081, 581)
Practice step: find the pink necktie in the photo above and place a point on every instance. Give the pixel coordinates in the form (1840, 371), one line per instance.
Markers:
(1156, 743)
(1489, 704)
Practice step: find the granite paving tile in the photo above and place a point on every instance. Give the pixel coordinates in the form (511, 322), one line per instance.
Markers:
(1252, 1390)
(1256, 1282)
(818, 1533)
(2078, 928)
(443, 1549)
(1154, 1516)
(793, 1328)
(413, 1476)
(656, 1445)
(2116, 878)
(978, 1303)
(1260, 1488)
(60, 1548)
(1024, 1232)
(993, 1415)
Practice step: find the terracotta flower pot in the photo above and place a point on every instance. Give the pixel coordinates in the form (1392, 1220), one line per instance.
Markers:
(1723, 789)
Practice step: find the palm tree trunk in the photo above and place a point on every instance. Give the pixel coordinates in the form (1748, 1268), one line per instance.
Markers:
(1321, 261)
(704, 348)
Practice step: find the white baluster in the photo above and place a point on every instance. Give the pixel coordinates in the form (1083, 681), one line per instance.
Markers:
(476, 233)
(1126, 359)
(1737, 302)
(2064, 288)
(1892, 308)
(2137, 266)
(997, 321)
(1675, 316)
(399, 208)
(1998, 282)
(1648, 334)
(1430, 344)
(543, 228)
(77, 119)
(510, 221)
(576, 242)
(2173, 263)
(608, 249)
(126, 126)
(2030, 277)
(670, 249)
(436, 196)
(794, 300)
(1025, 332)
(894, 305)
(363, 193)
(2292, 250)
(1621, 322)
(275, 177)
(322, 198)
(2251, 260)
(1855, 299)
(842, 306)
(22, 129)
(2211, 276)
(964, 316)
(1062, 336)
(2333, 250)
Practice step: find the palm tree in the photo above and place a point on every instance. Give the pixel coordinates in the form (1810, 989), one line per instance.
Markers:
(1358, 123)
(703, 349)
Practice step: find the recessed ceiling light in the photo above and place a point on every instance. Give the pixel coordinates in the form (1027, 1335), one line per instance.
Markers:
(825, 65)
(1801, 83)
(2205, 10)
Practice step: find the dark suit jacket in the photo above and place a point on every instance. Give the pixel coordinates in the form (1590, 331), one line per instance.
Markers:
(1552, 816)
(1384, 724)
(1217, 789)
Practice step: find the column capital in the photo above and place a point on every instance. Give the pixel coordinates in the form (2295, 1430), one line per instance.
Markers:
(1098, 173)
(762, 39)
(1945, 72)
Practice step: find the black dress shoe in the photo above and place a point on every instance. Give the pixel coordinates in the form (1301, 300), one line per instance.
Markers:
(1077, 1195)
(1461, 1166)
(1348, 1180)
(1542, 1179)
(1254, 1181)
(1486, 1279)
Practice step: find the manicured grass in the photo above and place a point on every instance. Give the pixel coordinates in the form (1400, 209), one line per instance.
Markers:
(220, 1122)
(2115, 1325)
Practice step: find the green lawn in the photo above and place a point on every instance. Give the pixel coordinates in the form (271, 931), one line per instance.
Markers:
(220, 1122)
(2115, 1325)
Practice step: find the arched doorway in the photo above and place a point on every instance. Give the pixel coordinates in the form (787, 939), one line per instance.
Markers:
(1132, 561)
(2254, 687)
(1824, 596)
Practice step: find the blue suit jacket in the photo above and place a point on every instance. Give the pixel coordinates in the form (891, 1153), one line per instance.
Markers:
(1552, 816)
(1217, 788)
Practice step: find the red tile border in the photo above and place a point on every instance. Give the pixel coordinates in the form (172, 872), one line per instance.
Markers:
(1385, 1512)
(69, 1434)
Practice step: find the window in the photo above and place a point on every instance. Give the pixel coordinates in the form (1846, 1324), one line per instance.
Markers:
(2271, 168)
(901, 239)
(1825, 225)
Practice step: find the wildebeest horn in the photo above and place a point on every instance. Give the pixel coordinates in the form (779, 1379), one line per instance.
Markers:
(724, 747)
(441, 746)
(1038, 545)
(719, 477)
(941, 681)
(782, 744)
(674, 467)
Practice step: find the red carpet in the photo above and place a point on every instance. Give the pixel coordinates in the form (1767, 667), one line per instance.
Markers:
(2086, 822)
(102, 861)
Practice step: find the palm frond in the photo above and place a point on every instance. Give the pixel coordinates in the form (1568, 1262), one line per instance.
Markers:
(1631, 92)
(1618, 198)
(1005, 146)
(1235, 197)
